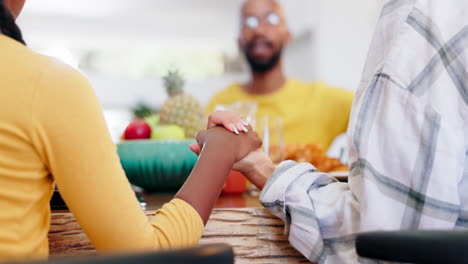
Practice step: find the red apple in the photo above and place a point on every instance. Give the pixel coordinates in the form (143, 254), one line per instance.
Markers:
(137, 129)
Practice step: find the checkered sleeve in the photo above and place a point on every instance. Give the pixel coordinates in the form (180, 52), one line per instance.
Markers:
(321, 215)
(408, 145)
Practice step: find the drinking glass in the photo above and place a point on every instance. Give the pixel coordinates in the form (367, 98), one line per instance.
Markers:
(270, 129)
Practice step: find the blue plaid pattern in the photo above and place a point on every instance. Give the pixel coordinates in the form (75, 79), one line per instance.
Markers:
(408, 140)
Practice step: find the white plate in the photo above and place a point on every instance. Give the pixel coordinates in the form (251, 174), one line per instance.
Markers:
(340, 175)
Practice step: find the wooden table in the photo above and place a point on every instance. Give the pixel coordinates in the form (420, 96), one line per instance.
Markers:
(156, 201)
(255, 234)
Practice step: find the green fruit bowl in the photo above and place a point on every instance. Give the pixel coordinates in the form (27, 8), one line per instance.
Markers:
(157, 165)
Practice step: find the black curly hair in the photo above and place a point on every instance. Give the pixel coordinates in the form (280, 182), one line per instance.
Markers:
(8, 25)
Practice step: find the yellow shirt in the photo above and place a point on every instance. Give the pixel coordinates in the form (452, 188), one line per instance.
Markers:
(311, 113)
(52, 130)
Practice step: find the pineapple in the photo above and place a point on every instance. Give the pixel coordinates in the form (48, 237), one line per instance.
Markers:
(142, 110)
(181, 109)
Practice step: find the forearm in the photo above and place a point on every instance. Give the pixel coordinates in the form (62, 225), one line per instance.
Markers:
(319, 213)
(257, 167)
(202, 188)
(260, 173)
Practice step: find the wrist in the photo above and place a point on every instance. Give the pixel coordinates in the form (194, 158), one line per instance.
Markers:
(220, 150)
(222, 144)
(207, 178)
(259, 171)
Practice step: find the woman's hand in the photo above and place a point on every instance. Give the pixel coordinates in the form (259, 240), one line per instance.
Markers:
(254, 164)
(238, 145)
(229, 120)
(249, 160)
(220, 150)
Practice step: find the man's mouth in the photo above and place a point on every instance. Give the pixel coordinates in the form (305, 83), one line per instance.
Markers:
(260, 48)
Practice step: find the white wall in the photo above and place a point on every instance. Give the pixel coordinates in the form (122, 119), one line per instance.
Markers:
(300, 60)
(121, 93)
(343, 35)
(330, 43)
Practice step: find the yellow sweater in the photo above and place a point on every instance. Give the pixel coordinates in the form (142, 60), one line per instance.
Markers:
(311, 113)
(52, 130)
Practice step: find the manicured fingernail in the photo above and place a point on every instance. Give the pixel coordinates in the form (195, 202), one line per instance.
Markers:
(245, 123)
(245, 129)
(235, 129)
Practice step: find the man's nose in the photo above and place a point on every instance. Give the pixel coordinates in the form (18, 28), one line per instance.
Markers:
(260, 31)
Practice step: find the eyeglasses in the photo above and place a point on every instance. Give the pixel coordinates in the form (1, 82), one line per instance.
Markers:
(253, 22)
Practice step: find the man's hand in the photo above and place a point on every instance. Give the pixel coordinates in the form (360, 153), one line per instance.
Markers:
(229, 120)
(257, 167)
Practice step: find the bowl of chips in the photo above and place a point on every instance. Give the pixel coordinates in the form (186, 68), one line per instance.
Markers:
(315, 155)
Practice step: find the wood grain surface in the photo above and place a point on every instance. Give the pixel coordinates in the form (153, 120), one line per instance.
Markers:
(255, 234)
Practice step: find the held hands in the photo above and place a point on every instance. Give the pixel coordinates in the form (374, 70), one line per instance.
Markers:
(246, 140)
(219, 150)
(245, 145)
(229, 120)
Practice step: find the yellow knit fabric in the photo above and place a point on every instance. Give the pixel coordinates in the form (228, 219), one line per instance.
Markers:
(52, 130)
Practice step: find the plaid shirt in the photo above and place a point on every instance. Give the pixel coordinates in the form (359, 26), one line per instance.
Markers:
(408, 138)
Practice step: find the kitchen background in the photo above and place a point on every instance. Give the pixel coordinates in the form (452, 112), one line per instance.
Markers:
(125, 46)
